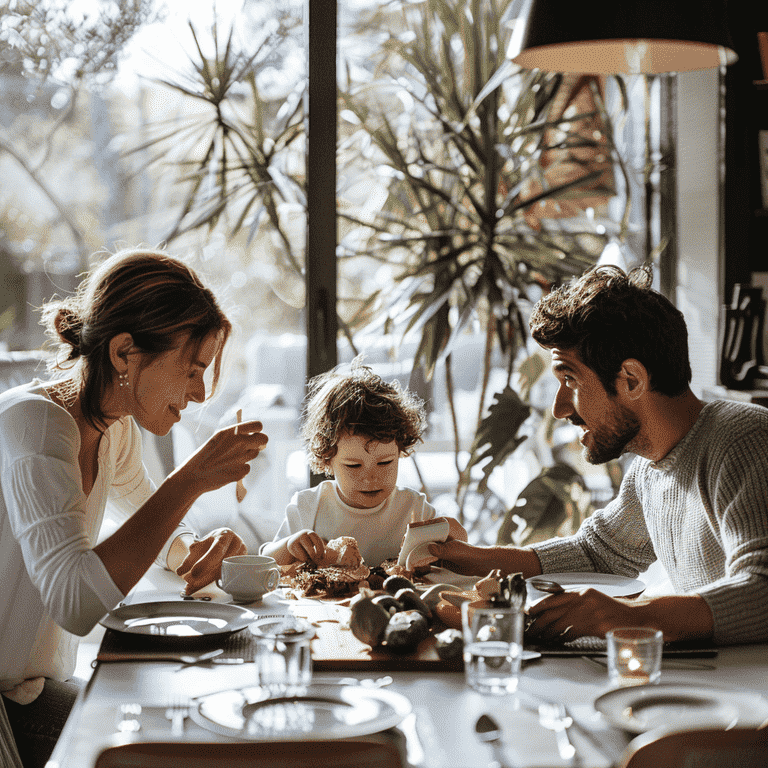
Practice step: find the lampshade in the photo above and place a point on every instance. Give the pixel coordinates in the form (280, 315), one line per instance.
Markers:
(622, 36)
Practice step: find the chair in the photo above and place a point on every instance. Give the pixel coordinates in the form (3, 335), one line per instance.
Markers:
(272, 754)
(700, 748)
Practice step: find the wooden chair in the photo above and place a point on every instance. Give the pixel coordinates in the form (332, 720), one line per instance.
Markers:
(699, 748)
(273, 754)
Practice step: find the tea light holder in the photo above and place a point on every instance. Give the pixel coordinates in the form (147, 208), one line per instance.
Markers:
(634, 656)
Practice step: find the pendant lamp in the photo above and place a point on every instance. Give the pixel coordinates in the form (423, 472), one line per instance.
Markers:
(622, 36)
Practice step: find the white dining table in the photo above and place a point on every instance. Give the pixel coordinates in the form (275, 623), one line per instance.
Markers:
(440, 731)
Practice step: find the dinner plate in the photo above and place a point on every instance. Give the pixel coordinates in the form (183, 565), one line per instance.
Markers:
(178, 618)
(607, 583)
(316, 712)
(645, 707)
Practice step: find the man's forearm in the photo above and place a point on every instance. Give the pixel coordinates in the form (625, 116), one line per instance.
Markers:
(679, 617)
(514, 560)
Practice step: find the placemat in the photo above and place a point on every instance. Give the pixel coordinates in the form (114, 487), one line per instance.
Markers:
(597, 646)
(236, 645)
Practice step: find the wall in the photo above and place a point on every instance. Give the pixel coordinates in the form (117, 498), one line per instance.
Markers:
(699, 272)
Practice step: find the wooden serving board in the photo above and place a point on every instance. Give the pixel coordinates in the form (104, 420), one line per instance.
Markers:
(336, 648)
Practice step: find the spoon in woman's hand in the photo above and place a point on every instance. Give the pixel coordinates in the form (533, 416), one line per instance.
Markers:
(240, 490)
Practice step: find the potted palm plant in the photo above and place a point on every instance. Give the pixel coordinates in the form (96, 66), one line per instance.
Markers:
(484, 186)
(485, 173)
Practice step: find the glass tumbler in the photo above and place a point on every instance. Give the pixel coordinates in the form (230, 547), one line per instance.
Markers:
(493, 647)
(283, 654)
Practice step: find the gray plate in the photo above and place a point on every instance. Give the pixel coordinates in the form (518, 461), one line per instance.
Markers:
(178, 619)
(316, 712)
(681, 706)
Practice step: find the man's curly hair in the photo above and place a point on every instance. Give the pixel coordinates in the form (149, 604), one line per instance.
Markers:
(354, 400)
(608, 317)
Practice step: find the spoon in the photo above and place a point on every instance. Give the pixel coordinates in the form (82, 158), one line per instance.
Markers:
(489, 732)
(546, 585)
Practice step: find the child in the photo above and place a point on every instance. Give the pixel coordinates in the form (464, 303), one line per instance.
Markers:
(356, 428)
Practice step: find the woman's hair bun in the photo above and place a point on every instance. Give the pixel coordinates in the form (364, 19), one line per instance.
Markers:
(69, 325)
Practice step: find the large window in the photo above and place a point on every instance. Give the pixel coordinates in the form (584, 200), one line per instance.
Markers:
(365, 177)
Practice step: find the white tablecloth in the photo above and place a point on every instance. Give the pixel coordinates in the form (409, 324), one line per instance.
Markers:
(445, 708)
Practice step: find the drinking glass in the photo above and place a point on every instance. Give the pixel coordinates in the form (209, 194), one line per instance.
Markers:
(493, 647)
(283, 654)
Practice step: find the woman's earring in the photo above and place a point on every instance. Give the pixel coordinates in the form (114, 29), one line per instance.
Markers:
(123, 379)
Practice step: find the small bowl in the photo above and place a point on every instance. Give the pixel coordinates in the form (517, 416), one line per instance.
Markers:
(448, 610)
(457, 598)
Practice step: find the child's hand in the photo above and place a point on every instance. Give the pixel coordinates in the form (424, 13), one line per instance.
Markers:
(306, 545)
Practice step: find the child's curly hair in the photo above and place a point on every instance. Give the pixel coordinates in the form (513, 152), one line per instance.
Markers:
(358, 402)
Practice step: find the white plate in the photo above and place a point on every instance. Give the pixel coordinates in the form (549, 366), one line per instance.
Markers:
(607, 583)
(646, 707)
(317, 712)
(178, 618)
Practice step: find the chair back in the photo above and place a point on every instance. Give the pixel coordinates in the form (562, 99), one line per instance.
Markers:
(257, 754)
(700, 748)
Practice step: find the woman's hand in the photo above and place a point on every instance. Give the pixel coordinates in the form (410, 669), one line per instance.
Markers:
(203, 563)
(225, 457)
(305, 546)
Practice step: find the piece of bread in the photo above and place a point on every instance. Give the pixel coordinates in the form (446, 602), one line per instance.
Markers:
(342, 552)
(414, 552)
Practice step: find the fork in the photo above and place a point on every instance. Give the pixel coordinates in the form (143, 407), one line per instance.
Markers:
(555, 717)
(177, 713)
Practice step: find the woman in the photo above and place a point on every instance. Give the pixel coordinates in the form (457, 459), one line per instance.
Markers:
(138, 336)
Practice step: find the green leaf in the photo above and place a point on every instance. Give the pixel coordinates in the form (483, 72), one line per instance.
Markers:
(543, 506)
(497, 437)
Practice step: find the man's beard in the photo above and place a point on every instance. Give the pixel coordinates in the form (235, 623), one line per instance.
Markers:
(610, 440)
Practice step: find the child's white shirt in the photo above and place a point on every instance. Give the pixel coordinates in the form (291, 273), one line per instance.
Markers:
(378, 531)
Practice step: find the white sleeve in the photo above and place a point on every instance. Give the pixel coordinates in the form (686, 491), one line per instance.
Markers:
(45, 525)
(45, 512)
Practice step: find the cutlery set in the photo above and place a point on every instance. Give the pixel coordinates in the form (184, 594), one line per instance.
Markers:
(552, 715)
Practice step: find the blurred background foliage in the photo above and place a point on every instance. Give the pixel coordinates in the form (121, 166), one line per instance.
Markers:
(466, 187)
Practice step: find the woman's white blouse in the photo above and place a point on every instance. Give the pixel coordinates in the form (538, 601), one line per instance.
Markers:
(54, 587)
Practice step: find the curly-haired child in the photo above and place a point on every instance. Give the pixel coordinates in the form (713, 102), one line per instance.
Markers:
(356, 427)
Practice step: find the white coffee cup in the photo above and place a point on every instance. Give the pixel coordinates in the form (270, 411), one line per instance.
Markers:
(248, 577)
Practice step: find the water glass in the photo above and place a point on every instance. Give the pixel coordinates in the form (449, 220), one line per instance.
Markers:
(634, 656)
(283, 654)
(493, 647)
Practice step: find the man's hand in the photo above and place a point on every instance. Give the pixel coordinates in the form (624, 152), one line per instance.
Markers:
(203, 563)
(306, 546)
(569, 615)
(460, 557)
(589, 612)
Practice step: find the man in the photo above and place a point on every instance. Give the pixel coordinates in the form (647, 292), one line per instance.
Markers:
(695, 496)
